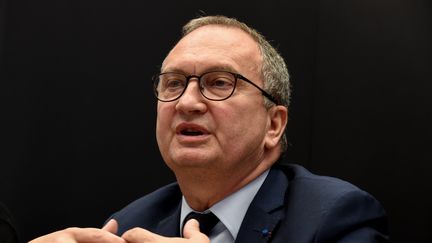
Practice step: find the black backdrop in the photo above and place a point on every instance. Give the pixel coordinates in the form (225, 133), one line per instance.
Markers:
(78, 115)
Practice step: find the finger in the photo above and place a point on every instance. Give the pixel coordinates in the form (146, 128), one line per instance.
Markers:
(136, 235)
(191, 231)
(94, 235)
(191, 227)
(79, 235)
(111, 226)
(58, 236)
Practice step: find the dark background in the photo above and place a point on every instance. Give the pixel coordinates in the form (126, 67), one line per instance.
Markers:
(78, 114)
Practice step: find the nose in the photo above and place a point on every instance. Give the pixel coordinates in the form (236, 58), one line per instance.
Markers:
(192, 100)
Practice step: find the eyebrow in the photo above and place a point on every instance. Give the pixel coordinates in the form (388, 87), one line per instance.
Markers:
(226, 68)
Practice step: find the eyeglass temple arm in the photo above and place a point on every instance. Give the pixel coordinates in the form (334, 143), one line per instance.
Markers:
(263, 92)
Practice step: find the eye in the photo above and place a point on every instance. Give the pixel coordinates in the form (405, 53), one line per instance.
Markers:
(172, 82)
(219, 82)
(175, 83)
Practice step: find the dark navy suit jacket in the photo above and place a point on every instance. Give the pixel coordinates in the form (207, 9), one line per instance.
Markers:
(293, 204)
(8, 233)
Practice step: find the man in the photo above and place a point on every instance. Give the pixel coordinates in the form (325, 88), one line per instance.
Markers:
(223, 95)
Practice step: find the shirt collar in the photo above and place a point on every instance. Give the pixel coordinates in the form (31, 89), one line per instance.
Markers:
(232, 209)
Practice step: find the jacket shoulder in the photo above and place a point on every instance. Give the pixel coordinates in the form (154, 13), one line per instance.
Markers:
(332, 209)
(318, 185)
(321, 193)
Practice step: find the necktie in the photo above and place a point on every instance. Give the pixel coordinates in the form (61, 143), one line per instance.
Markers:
(206, 221)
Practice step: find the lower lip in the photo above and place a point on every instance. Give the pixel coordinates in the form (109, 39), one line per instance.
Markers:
(192, 139)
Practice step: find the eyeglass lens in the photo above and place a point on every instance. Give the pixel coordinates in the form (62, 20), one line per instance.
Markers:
(213, 85)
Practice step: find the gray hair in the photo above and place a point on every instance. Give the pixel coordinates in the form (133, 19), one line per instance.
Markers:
(274, 70)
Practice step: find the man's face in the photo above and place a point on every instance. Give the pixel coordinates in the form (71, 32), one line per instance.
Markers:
(223, 136)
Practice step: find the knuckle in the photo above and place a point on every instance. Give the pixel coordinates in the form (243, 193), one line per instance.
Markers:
(96, 235)
(70, 230)
(140, 234)
(60, 236)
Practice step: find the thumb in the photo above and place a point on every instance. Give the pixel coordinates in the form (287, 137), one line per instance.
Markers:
(111, 226)
(191, 231)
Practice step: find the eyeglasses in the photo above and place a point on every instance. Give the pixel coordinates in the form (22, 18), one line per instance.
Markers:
(215, 85)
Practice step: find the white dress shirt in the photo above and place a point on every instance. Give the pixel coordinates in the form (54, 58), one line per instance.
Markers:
(230, 211)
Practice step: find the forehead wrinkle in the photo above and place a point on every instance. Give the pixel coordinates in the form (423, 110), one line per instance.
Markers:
(191, 63)
(235, 54)
(230, 63)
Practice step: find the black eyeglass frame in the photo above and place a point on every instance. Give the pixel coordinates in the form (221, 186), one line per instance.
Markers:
(188, 78)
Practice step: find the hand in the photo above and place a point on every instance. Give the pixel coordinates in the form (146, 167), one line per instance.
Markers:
(191, 234)
(83, 235)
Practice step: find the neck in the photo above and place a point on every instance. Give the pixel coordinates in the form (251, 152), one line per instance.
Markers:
(203, 187)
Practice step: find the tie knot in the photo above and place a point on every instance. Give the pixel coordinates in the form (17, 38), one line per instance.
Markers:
(207, 221)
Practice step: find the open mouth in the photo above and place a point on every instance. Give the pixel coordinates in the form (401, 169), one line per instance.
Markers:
(191, 132)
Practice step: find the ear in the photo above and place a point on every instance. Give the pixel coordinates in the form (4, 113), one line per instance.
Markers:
(278, 119)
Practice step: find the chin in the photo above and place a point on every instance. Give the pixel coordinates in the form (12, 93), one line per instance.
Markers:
(191, 160)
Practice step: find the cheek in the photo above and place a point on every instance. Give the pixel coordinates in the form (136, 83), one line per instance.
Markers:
(241, 125)
(163, 122)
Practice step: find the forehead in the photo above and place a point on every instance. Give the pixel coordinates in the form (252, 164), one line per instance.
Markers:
(214, 47)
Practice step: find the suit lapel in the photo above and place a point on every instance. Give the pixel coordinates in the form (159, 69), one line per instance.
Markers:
(266, 210)
(169, 226)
